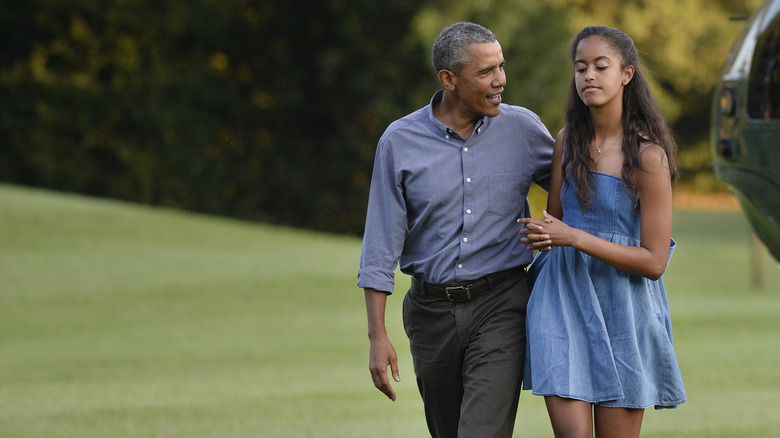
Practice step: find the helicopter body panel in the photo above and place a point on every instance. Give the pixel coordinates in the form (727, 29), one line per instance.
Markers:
(745, 129)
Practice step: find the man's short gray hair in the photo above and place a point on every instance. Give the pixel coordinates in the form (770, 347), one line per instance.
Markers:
(450, 50)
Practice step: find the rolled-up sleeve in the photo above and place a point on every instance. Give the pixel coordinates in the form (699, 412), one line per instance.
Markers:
(385, 224)
(542, 150)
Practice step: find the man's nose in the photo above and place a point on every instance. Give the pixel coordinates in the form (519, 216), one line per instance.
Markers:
(500, 79)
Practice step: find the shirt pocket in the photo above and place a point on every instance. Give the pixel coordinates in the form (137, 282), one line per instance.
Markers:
(506, 195)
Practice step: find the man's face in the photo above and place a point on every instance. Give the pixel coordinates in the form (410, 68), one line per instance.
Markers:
(481, 82)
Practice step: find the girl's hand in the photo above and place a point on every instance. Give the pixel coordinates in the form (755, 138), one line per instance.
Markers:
(542, 235)
(535, 237)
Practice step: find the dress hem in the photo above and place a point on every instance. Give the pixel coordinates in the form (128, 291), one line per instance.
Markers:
(613, 402)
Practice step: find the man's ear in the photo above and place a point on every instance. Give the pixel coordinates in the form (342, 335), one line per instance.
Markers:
(447, 79)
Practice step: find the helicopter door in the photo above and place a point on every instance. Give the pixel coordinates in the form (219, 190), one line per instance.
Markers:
(764, 84)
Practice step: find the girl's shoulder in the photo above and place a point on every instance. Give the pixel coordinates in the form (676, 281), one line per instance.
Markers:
(561, 135)
(560, 140)
(646, 142)
(651, 154)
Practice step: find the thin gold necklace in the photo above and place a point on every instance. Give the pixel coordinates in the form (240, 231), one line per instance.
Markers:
(610, 142)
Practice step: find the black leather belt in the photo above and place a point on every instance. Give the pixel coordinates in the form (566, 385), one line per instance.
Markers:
(464, 290)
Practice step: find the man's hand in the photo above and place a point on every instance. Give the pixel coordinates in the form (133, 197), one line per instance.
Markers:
(382, 352)
(534, 233)
(382, 355)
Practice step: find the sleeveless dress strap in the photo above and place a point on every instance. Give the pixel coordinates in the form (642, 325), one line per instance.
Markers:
(645, 147)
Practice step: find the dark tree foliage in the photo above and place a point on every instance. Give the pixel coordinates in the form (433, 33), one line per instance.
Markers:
(262, 110)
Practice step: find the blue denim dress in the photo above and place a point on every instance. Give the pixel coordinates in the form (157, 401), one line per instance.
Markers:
(596, 333)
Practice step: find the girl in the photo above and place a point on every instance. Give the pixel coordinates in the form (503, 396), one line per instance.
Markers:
(599, 329)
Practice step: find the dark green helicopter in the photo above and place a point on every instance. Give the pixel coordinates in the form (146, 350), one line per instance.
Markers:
(745, 129)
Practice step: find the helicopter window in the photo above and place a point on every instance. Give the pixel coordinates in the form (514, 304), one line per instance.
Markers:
(764, 85)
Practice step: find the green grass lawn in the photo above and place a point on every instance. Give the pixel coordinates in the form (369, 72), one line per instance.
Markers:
(118, 320)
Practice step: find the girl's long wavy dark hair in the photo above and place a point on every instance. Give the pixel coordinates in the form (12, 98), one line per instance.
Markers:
(640, 114)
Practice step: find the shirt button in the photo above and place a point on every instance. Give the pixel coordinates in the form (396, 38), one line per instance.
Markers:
(468, 179)
(468, 211)
(465, 239)
(465, 149)
(479, 130)
(460, 266)
(448, 137)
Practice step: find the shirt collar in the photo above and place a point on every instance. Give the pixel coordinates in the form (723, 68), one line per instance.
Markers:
(479, 129)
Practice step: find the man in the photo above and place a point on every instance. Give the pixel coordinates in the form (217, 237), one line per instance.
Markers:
(449, 182)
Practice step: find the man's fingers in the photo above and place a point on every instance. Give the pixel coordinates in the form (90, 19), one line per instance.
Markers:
(389, 392)
(383, 384)
(394, 370)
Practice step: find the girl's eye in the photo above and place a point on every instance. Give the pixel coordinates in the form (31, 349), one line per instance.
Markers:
(601, 68)
(580, 70)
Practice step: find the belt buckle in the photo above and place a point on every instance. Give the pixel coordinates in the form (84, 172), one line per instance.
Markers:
(452, 291)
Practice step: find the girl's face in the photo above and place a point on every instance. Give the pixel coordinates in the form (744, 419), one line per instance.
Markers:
(598, 74)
